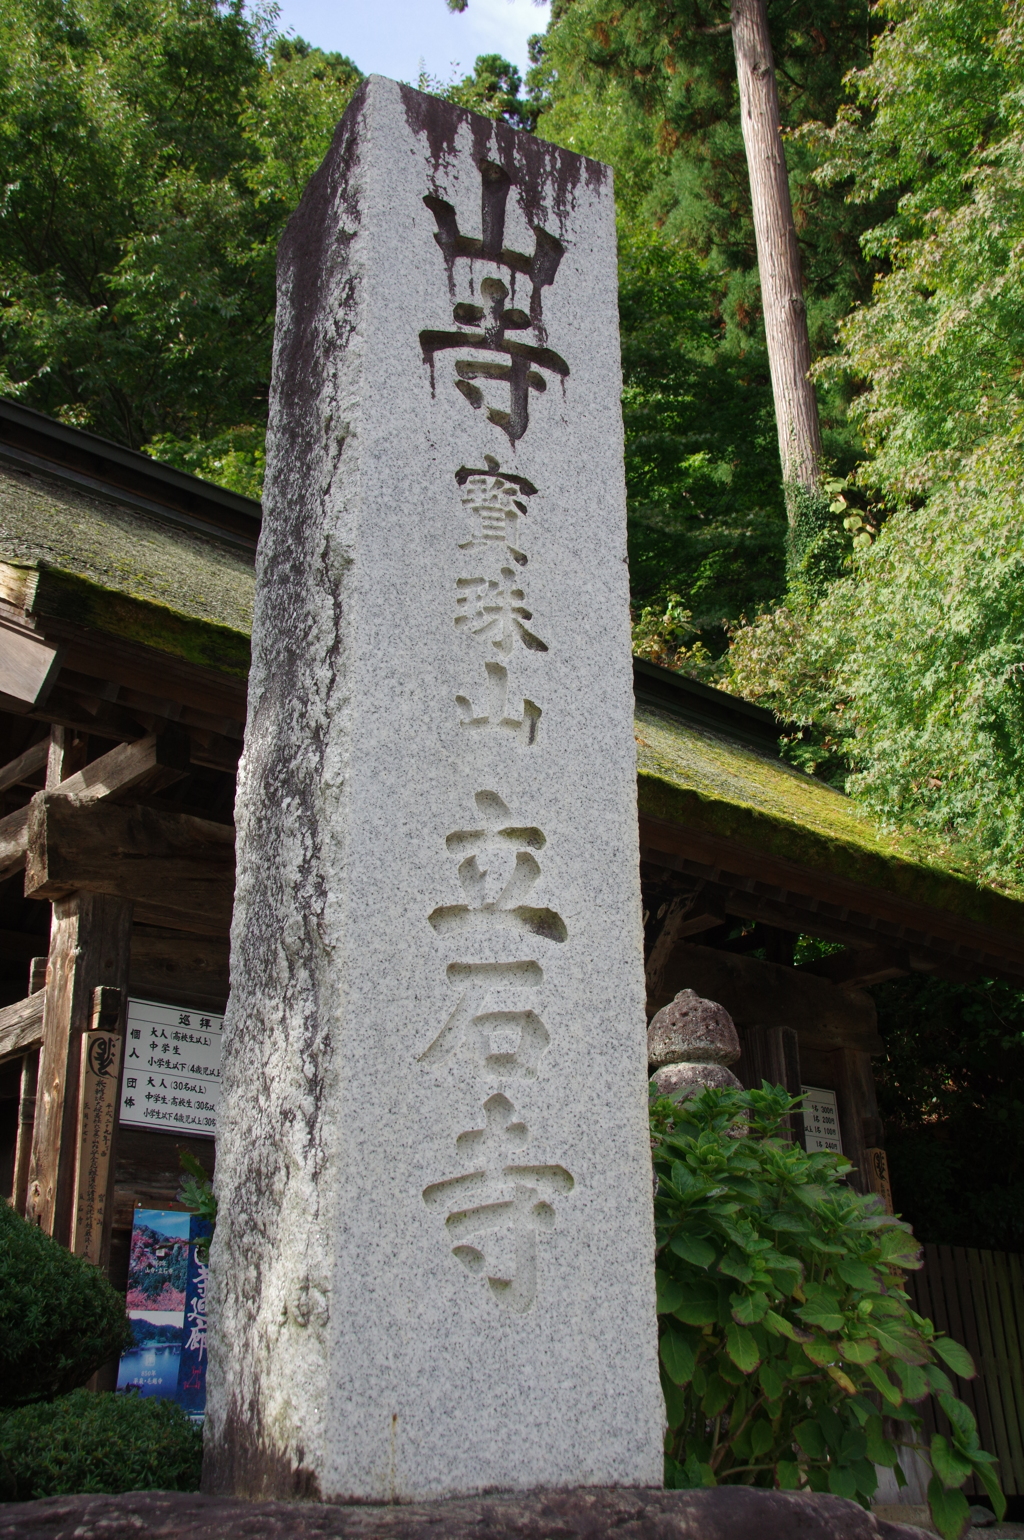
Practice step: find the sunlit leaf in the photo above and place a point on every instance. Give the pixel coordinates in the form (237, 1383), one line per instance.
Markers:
(956, 1357)
(883, 1383)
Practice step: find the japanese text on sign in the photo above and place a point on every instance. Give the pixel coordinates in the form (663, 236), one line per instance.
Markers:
(172, 1068)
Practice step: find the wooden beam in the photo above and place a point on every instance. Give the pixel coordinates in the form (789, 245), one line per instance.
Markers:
(150, 763)
(870, 965)
(105, 658)
(89, 947)
(179, 968)
(180, 867)
(28, 667)
(764, 994)
(153, 762)
(685, 915)
(13, 842)
(793, 896)
(26, 764)
(21, 1026)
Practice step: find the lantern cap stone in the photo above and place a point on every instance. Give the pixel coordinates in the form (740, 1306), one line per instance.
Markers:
(692, 1030)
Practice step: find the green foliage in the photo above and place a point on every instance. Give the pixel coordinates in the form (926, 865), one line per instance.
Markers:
(911, 664)
(157, 150)
(661, 635)
(706, 513)
(950, 1093)
(59, 1317)
(493, 89)
(785, 1332)
(673, 61)
(196, 1193)
(85, 1442)
(235, 460)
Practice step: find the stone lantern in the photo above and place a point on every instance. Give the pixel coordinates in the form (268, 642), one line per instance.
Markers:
(689, 1043)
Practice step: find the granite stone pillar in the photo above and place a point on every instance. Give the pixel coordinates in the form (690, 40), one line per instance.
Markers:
(433, 1267)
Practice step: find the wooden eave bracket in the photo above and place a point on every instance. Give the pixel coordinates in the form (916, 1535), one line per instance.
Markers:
(151, 764)
(29, 664)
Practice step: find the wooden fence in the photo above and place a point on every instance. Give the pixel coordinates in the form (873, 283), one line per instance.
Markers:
(978, 1298)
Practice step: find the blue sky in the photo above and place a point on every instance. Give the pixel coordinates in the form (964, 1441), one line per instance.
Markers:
(399, 37)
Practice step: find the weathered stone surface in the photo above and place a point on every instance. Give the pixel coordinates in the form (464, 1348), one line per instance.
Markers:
(433, 1271)
(725, 1513)
(681, 1080)
(699, 1031)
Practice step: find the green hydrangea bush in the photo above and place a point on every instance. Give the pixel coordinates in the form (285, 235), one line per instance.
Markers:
(60, 1320)
(789, 1349)
(84, 1442)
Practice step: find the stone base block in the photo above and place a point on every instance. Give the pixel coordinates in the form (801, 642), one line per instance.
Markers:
(635, 1513)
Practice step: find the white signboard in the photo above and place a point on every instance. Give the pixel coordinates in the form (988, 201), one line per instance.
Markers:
(172, 1068)
(821, 1120)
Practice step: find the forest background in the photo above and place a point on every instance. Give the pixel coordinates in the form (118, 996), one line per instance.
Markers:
(155, 150)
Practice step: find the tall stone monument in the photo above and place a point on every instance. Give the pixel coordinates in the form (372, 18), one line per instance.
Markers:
(433, 1268)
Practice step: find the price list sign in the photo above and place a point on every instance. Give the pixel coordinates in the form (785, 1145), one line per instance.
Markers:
(821, 1120)
(172, 1068)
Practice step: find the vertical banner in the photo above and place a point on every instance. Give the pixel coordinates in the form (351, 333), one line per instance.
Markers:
(97, 1114)
(191, 1390)
(167, 1308)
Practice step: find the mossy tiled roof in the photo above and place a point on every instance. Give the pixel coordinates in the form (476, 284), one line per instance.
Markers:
(46, 522)
(126, 572)
(690, 776)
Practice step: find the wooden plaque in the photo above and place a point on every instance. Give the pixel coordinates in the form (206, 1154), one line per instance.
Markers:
(97, 1120)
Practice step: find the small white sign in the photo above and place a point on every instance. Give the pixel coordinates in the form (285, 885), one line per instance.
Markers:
(172, 1068)
(821, 1120)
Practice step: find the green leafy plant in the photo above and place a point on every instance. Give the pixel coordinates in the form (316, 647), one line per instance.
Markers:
(786, 1336)
(196, 1193)
(59, 1317)
(662, 633)
(84, 1442)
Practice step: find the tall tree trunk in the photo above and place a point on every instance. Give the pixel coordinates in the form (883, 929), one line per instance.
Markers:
(778, 252)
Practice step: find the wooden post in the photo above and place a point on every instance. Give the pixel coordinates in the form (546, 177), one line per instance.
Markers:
(878, 1176)
(27, 1099)
(99, 1085)
(773, 1054)
(26, 1123)
(858, 1105)
(89, 946)
(68, 753)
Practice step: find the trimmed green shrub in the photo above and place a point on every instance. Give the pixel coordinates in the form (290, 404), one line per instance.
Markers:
(59, 1317)
(786, 1336)
(84, 1442)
